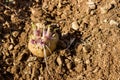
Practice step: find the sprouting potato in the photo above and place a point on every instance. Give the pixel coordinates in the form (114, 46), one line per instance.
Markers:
(41, 39)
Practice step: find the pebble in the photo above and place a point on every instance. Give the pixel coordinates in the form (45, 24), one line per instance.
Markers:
(10, 47)
(69, 65)
(41, 78)
(59, 4)
(8, 69)
(87, 61)
(113, 22)
(7, 12)
(79, 48)
(6, 24)
(91, 4)
(105, 9)
(12, 40)
(93, 12)
(86, 49)
(31, 59)
(59, 61)
(30, 64)
(14, 18)
(105, 20)
(75, 25)
(113, 2)
(77, 60)
(5, 54)
(96, 70)
(15, 33)
(9, 61)
(37, 1)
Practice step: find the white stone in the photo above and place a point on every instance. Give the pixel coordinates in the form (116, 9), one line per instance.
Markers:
(59, 61)
(113, 22)
(75, 25)
(91, 4)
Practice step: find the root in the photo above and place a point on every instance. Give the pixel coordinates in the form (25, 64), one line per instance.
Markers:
(45, 58)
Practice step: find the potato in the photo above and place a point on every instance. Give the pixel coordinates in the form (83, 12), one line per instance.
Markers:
(39, 52)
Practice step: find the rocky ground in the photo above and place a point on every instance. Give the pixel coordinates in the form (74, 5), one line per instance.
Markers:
(88, 48)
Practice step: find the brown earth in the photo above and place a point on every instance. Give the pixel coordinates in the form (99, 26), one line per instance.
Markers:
(89, 45)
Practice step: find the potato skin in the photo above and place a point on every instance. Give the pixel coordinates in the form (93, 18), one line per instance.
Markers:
(39, 52)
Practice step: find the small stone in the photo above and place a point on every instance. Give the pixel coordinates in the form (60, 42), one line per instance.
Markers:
(79, 48)
(17, 47)
(15, 33)
(5, 53)
(31, 59)
(96, 70)
(59, 61)
(113, 22)
(37, 1)
(59, 4)
(105, 8)
(30, 64)
(9, 61)
(10, 47)
(7, 12)
(105, 20)
(87, 61)
(8, 69)
(75, 25)
(69, 65)
(113, 2)
(77, 60)
(86, 49)
(91, 4)
(12, 40)
(14, 18)
(93, 12)
(41, 78)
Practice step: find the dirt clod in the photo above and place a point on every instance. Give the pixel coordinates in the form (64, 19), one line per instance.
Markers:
(59, 61)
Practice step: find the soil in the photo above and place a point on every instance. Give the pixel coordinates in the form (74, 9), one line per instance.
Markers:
(88, 48)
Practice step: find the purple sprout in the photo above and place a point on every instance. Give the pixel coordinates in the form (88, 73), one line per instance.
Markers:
(33, 41)
(36, 33)
(41, 38)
